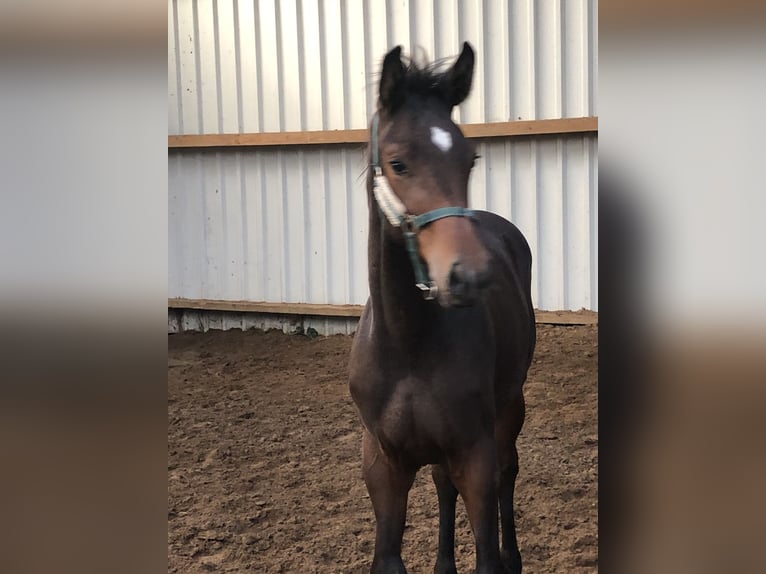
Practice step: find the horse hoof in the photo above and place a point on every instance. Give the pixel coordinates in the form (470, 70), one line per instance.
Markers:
(511, 561)
(445, 567)
(390, 566)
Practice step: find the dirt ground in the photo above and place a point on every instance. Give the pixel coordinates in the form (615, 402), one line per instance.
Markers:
(264, 469)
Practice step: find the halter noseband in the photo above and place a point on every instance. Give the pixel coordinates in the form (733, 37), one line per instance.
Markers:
(396, 214)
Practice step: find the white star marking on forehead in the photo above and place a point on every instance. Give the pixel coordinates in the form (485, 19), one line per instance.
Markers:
(441, 138)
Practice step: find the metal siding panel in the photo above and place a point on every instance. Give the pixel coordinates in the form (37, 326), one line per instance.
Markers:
(270, 86)
(471, 26)
(524, 189)
(295, 227)
(208, 67)
(255, 218)
(176, 255)
(422, 27)
(535, 60)
(495, 63)
(574, 56)
(274, 225)
(316, 268)
(290, 225)
(332, 60)
(232, 224)
(309, 243)
(522, 56)
(244, 222)
(180, 171)
(337, 227)
(290, 88)
(376, 26)
(548, 59)
(194, 190)
(228, 79)
(355, 79)
(174, 95)
(550, 225)
(249, 74)
(494, 158)
(313, 118)
(212, 226)
(577, 240)
(509, 175)
(477, 184)
(356, 179)
(398, 22)
(188, 73)
(446, 32)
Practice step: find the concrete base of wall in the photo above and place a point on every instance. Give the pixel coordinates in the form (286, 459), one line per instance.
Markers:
(203, 320)
(194, 320)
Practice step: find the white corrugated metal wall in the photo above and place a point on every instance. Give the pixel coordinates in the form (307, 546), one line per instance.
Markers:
(288, 224)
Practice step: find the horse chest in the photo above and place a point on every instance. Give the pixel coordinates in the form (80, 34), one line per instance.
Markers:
(419, 421)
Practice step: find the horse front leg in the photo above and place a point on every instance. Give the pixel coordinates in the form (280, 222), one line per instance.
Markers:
(507, 431)
(447, 493)
(388, 485)
(473, 473)
(510, 554)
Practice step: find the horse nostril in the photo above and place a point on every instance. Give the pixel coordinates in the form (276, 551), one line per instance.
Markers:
(456, 275)
(465, 284)
(461, 276)
(484, 278)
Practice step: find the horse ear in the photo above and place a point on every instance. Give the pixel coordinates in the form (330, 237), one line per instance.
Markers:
(390, 79)
(460, 76)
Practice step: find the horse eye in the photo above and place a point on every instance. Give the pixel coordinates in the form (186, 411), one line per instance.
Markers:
(398, 167)
(476, 157)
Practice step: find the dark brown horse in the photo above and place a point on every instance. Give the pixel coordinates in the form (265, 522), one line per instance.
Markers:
(447, 335)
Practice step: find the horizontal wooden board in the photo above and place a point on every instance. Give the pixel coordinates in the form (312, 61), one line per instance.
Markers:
(581, 317)
(263, 307)
(488, 130)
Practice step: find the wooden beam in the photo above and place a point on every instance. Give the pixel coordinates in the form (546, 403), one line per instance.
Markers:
(268, 139)
(581, 317)
(488, 130)
(262, 307)
(531, 127)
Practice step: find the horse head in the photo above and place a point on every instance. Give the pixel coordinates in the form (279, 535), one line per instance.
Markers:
(426, 162)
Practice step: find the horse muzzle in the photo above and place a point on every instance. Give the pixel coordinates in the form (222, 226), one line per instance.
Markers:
(457, 261)
(465, 285)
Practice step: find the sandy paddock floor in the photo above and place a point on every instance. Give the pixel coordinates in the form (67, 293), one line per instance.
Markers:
(264, 469)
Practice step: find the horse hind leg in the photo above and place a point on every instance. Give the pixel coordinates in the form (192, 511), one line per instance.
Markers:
(388, 485)
(447, 494)
(507, 430)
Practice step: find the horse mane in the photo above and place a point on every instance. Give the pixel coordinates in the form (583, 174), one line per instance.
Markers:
(423, 78)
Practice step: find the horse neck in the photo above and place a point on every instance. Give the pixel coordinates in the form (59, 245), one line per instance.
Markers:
(399, 311)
